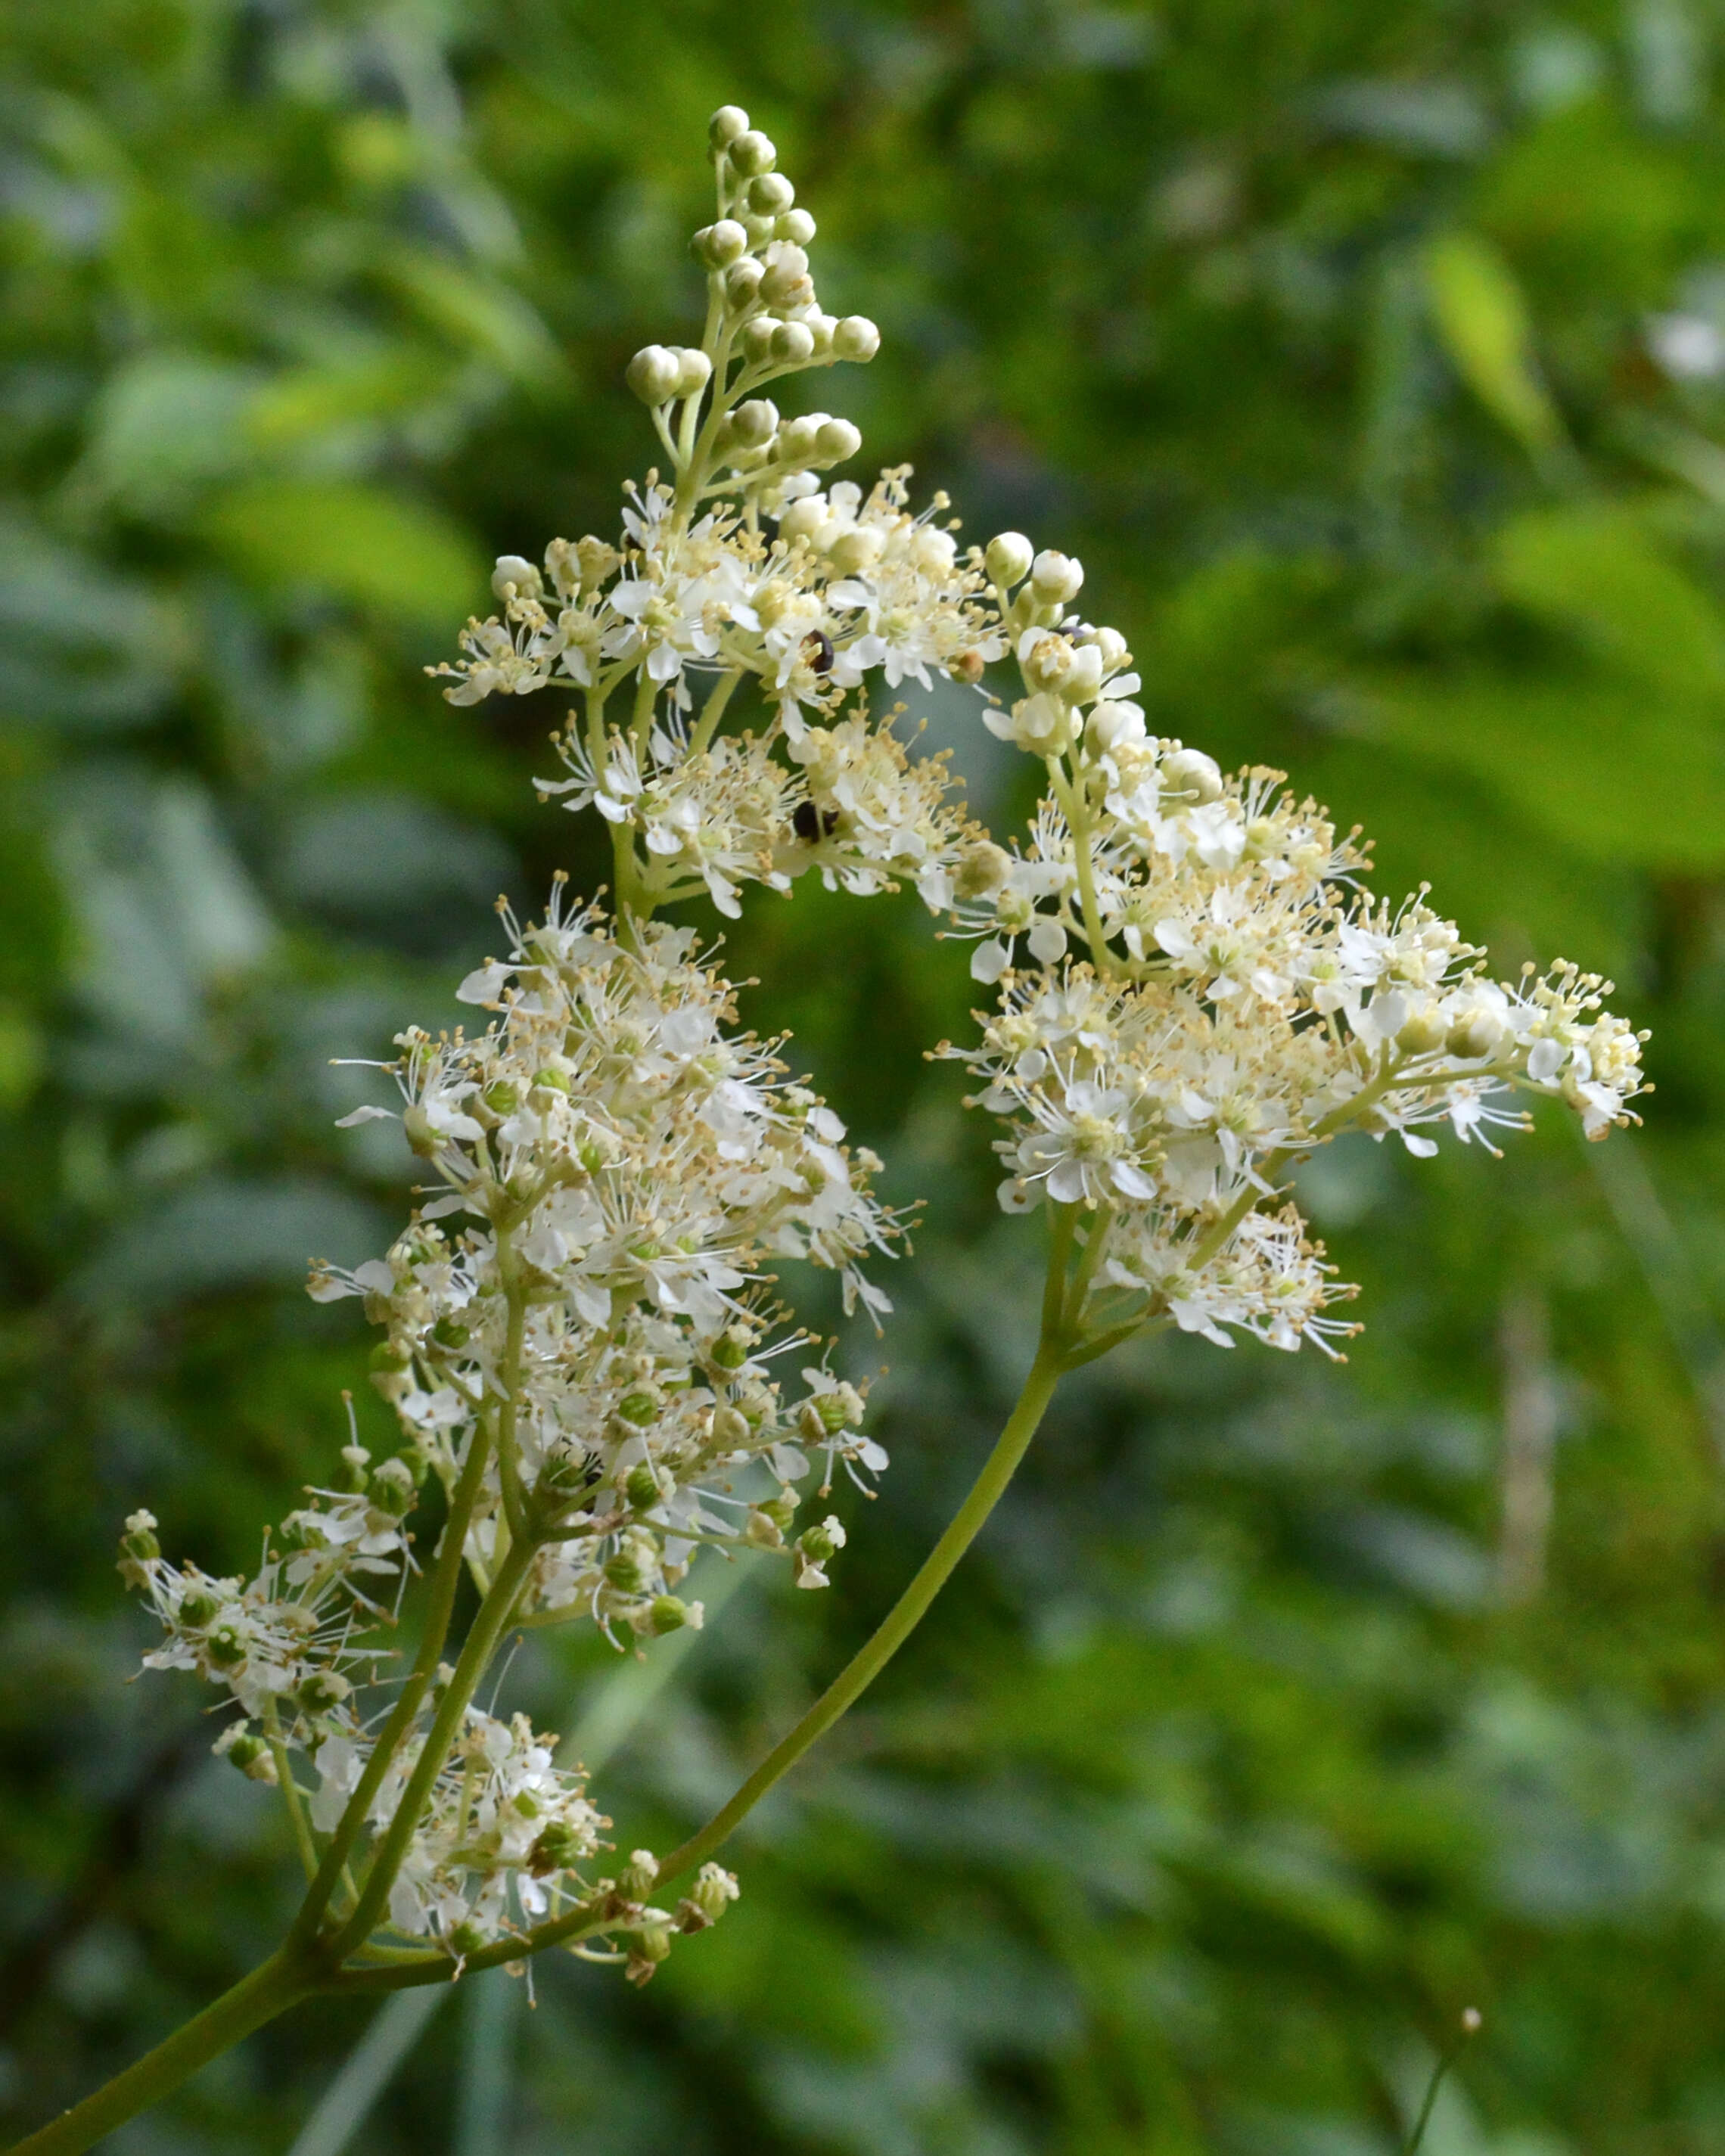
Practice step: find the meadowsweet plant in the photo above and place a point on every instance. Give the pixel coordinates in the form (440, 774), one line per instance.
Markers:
(581, 1333)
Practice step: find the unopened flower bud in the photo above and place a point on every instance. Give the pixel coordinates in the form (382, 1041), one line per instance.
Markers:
(796, 225)
(751, 153)
(695, 370)
(501, 1098)
(1007, 559)
(751, 426)
(742, 282)
(717, 246)
(640, 1408)
(771, 195)
(836, 441)
(515, 569)
(641, 1487)
(653, 1943)
(652, 373)
(856, 338)
(727, 123)
(758, 339)
(793, 344)
(1055, 577)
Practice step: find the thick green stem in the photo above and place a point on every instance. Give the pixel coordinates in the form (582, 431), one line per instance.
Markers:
(906, 1614)
(271, 1988)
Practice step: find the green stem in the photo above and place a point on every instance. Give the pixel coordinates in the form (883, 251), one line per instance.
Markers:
(290, 1791)
(1075, 809)
(489, 1626)
(908, 1610)
(445, 1579)
(271, 1988)
(712, 712)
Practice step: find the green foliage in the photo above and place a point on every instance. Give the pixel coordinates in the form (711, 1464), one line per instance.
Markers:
(1258, 1740)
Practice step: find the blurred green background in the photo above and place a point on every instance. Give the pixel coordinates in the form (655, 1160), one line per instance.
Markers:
(1372, 356)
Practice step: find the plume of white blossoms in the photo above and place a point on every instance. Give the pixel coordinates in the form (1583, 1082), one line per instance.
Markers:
(628, 1169)
(741, 568)
(1195, 988)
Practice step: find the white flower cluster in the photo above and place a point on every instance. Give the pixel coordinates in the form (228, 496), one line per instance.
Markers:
(836, 588)
(495, 1848)
(1208, 993)
(288, 1644)
(630, 1168)
(1195, 989)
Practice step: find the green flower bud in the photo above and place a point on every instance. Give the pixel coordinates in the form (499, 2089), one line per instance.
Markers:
(624, 1571)
(727, 123)
(795, 225)
(640, 1408)
(837, 441)
(793, 344)
(771, 195)
(743, 283)
(751, 153)
(717, 246)
(450, 1332)
(652, 374)
(501, 1098)
(1007, 559)
(670, 1614)
(855, 338)
(751, 426)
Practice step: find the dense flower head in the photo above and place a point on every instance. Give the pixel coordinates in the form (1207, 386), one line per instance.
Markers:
(624, 1169)
(1197, 988)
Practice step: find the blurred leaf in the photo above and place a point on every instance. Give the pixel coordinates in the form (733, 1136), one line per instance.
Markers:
(378, 550)
(1483, 320)
(1596, 570)
(1619, 772)
(224, 1233)
(166, 426)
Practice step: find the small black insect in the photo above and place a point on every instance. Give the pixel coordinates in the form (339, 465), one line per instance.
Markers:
(821, 657)
(812, 824)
